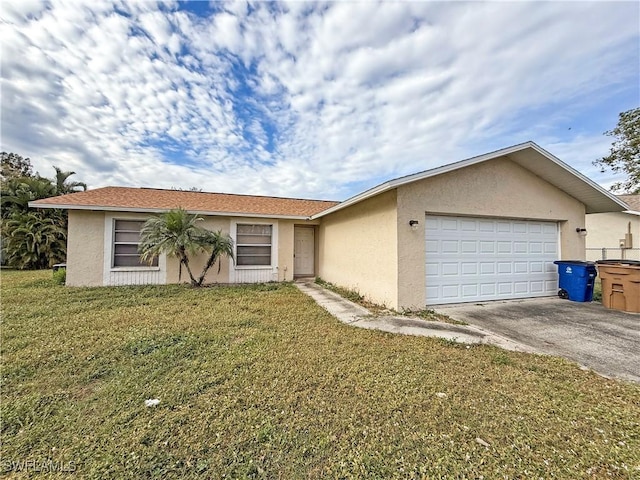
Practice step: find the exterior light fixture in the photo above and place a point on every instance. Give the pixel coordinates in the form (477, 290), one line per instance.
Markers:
(413, 224)
(581, 231)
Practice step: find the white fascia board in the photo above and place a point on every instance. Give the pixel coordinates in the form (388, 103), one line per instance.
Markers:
(575, 172)
(162, 210)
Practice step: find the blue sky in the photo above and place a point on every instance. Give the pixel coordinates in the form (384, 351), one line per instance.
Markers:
(308, 99)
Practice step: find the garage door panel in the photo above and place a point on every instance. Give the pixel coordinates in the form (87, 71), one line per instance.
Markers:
(451, 225)
(450, 268)
(537, 287)
(450, 246)
(469, 268)
(519, 227)
(469, 246)
(433, 246)
(535, 227)
(505, 247)
(487, 268)
(451, 291)
(520, 247)
(468, 225)
(433, 269)
(472, 259)
(469, 291)
(536, 267)
(487, 289)
(520, 267)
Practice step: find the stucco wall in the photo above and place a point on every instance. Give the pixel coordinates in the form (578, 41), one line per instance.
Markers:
(358, 248)
(85, 248)
(605, 230)
(285, 250)
(197, 263)
(496, 188)
(86, 260)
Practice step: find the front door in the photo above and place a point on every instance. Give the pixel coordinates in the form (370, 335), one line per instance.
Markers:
(303, 252)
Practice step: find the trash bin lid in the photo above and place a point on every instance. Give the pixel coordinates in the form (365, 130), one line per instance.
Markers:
(618, 262)
(574, 262)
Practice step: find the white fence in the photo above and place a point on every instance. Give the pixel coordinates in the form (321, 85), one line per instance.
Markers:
(594, 254)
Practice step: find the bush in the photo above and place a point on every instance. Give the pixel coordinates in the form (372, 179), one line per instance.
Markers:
(60, 276)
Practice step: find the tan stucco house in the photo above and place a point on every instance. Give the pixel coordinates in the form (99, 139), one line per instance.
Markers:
(486, 228)
(615, 234)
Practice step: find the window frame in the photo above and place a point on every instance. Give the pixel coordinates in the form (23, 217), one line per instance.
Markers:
(273, 244)
(114, 231)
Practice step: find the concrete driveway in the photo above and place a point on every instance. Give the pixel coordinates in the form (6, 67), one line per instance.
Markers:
(606, 341)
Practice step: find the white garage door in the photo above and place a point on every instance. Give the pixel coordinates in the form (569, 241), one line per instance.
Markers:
(478, 259)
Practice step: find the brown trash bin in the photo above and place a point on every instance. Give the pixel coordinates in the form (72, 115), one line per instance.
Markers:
(620, 284)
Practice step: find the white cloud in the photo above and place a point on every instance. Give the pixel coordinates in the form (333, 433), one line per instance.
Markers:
(308, 99)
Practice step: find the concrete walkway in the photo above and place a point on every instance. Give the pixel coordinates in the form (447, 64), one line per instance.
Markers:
(358, 316)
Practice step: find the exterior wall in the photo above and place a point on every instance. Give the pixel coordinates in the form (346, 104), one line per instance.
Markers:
(285, 250)
(197, 263)
(85, 248)
(496, 188)
(358, 248)
(605, 230)
(90, 243)
(282, 254)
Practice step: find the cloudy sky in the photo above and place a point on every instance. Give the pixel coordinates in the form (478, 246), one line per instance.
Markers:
(308, 99)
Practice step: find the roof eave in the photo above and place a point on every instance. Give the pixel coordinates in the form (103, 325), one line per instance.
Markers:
(104, 208)
(622, 205)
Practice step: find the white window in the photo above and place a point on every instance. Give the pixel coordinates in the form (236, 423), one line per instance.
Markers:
(126, 238)
(253, 245)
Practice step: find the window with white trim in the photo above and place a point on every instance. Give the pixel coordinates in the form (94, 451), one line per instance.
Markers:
(126, 238)
(253, 245)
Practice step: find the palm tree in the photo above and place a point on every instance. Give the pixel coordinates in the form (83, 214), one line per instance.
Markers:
(177, 233)
(16, 193)
(33, 240)
(63, 186)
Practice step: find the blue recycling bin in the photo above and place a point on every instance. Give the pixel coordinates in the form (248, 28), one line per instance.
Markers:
(576, 279)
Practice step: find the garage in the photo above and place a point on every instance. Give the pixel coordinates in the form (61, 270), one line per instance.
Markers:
(472, 259)
(481, 229)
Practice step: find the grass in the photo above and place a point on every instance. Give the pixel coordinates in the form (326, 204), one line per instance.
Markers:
(375, 309)
(259, 382)
(597, 290)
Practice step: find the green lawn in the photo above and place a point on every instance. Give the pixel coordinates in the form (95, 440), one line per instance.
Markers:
(259, 382)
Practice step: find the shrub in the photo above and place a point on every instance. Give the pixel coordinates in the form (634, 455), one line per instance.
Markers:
(60, 276)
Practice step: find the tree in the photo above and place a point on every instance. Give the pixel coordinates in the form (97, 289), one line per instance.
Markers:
(15, 166)
(16, 193)
(63, 186)
(32, 238)
(625, 152)
(177, 234)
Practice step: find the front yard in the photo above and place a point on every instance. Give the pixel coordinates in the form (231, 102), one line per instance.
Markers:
(260, 382)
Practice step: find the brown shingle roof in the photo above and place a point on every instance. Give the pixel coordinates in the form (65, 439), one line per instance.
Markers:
(148, 199)
(632, 200)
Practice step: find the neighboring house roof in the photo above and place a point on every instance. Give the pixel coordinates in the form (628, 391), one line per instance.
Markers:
(633, 201)
(156, 200)
(528, 155)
